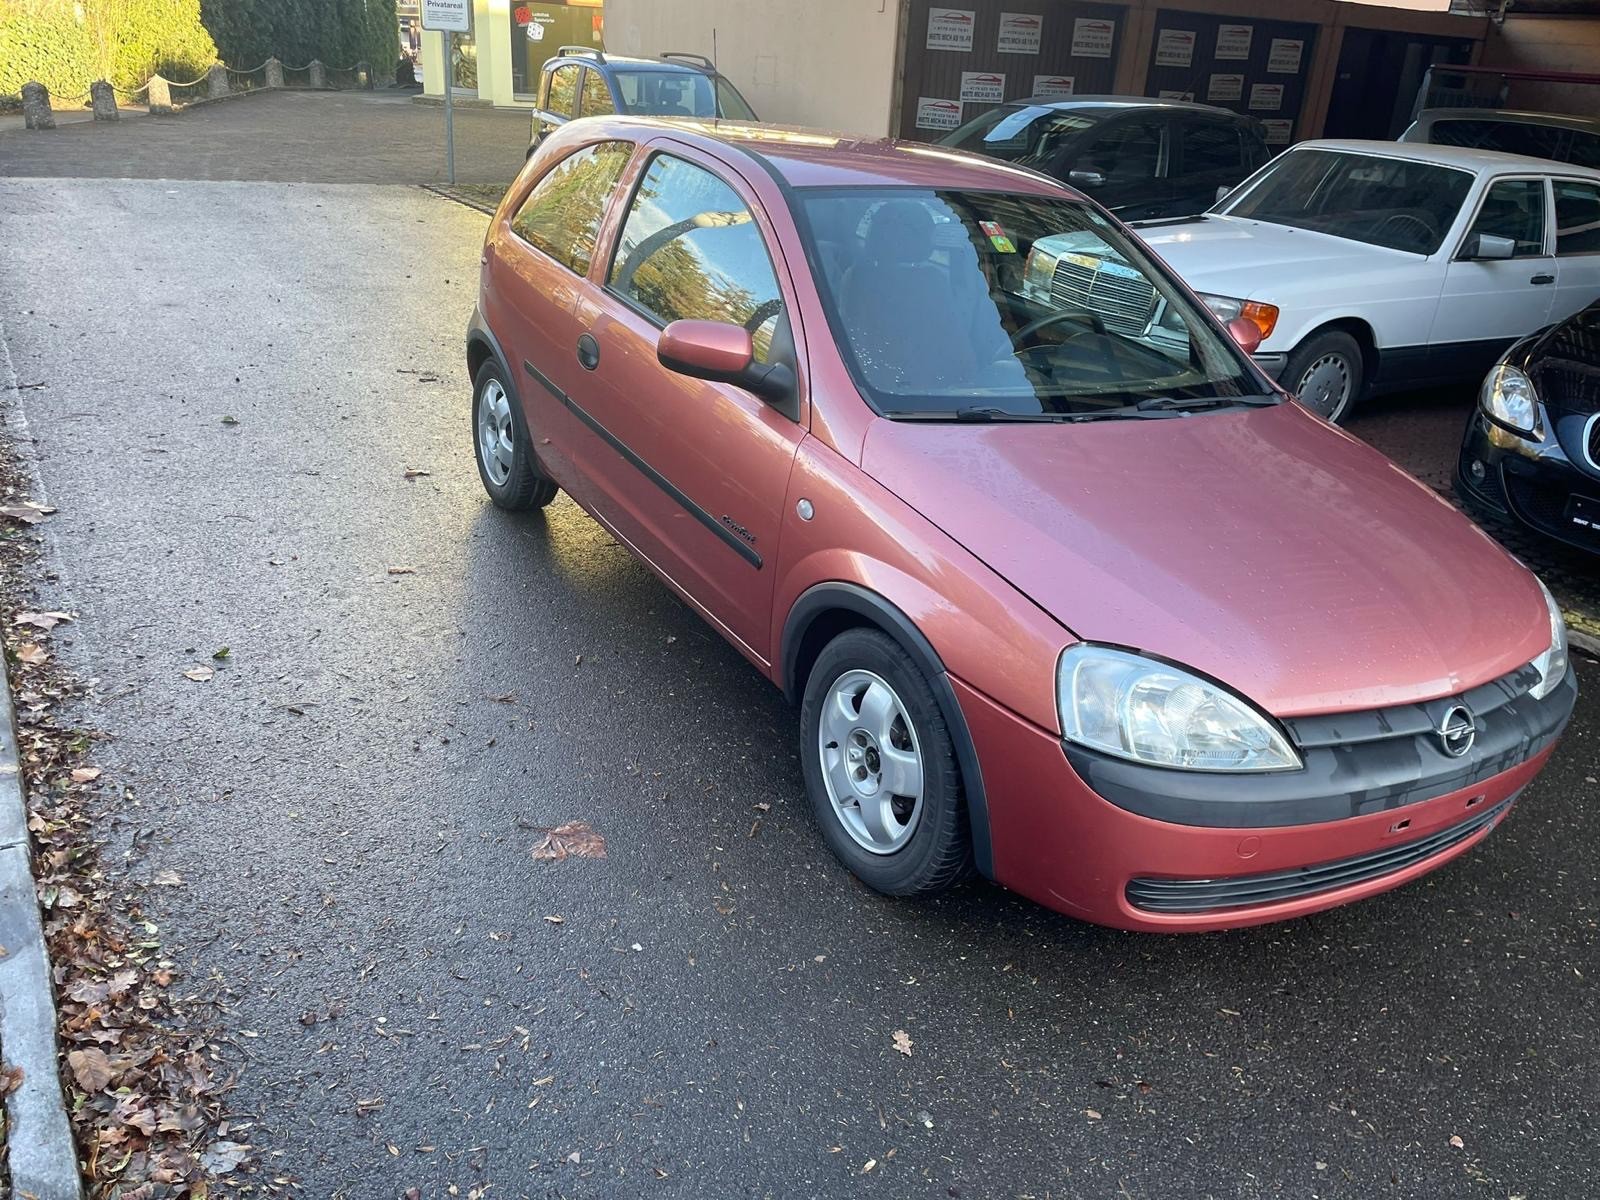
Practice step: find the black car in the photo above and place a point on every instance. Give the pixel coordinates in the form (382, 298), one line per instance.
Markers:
(1532, 448)
(1140, 158)
(584, 82)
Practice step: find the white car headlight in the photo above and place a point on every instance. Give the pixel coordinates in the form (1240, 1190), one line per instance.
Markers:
(1152, 712)
(1552, 663)
(1509, 399)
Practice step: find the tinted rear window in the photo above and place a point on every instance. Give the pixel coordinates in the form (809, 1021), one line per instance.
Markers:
(1030, 134)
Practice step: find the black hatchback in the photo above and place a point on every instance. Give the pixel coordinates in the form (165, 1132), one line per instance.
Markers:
(1142, 159)
(1532, 448)
(580, 81)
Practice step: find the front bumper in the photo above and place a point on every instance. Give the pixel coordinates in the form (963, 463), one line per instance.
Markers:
(1241, 859)
(1533, 483)
(1272, 364)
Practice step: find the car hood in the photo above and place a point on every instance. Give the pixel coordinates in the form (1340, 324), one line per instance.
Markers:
(1237, 257)
(1564, 363)
(1262, 547)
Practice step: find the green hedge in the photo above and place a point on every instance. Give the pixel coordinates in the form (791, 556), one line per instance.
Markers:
(67, 45)
(340, 33)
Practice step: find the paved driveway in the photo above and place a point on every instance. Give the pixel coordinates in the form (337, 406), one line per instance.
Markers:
(352, 801)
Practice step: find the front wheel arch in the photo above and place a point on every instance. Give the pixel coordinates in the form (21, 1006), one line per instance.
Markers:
(826, 610)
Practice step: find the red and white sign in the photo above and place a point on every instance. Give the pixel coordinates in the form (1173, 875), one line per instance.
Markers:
(1277, 131)
(983, 87)
(1284, 56)
(1225, 87)
(1266, 97)
(1233, 41)
(1174, 95)
(1175, 48)
(1020, 33)
(933, 113)
(950, 28)
(1052, 85)
(1092, 37)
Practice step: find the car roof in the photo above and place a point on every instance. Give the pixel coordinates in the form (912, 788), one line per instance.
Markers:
(1111, 104)
(1563, 120)
(1490, 162)
(804, 157)
(631, 62)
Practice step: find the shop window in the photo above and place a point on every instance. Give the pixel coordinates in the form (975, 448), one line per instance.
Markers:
(561, 216)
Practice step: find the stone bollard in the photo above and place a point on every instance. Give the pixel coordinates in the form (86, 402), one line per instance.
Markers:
(364, 76)
(160, 97)
(36, 112)
(274, 73)
(217, 82)
(319, 74)
(104, 100)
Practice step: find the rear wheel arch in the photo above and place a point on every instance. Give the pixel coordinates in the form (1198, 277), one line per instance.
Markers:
(826, 610)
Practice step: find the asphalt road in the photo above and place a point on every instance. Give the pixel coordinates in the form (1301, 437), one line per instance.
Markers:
(352, 800)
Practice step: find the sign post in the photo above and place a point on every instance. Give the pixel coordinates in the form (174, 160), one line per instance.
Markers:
(449, 17)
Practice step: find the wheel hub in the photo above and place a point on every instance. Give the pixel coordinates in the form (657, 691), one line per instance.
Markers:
(871, 762)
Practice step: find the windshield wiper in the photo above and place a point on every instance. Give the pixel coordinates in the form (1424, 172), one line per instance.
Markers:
(972, 416)
(1177, 404)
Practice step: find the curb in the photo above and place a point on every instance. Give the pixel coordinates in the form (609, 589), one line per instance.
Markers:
(41, 1157)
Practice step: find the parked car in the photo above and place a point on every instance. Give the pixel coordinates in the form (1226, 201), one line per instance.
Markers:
(1532, 447)
(584, 82)
(1371, 266)
(1555, 136)
(1139, 158)
(1093, 608)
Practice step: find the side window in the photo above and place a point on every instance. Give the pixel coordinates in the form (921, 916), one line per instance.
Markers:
(1514, 208)
(1536, 141)
(690, 249)
(561, 216)
(1577, 217)
(596, 95)
(1206, 146)
(563, 90)
(1128, 153)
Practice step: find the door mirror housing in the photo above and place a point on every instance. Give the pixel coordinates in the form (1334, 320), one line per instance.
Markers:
(1086, 179)
(1246, 333)
(723, 353)
(1491, 246)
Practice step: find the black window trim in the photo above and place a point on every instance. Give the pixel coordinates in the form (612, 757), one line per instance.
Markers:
(1460, 254)
(545, 174)
(1555, 231)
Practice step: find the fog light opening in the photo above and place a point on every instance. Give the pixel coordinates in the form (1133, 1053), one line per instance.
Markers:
(1477, 471)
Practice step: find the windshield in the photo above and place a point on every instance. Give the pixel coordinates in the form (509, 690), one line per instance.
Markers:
(1393, 202)
(1030, 134)
(945, 301)
(679, 94)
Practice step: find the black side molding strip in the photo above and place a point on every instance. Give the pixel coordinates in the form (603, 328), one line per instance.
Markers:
(724, 534)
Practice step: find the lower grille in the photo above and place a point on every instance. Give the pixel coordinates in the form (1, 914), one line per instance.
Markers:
(1238, 891)
(1545, 508)
(1118, 295)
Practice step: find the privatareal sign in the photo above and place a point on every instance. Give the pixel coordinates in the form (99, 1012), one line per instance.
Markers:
(447, 16)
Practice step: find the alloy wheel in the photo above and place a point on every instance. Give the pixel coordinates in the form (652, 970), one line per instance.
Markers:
(871, 762)
(497, 446)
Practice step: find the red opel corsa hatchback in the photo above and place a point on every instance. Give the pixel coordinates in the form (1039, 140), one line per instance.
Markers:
(1066, 591)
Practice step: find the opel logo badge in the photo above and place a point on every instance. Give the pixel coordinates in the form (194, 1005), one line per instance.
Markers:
(1457, 732)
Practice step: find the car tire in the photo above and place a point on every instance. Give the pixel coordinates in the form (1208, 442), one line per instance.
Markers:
(895, 843)
(1325, 374)
(501, 446)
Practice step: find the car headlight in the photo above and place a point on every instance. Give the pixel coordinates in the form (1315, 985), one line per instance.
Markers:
(1552, 663)
(1037, 276)
(1152, 712)
(1263, 316)
(1508, 398)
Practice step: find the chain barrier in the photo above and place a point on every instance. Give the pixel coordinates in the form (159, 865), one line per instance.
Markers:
(351, 73)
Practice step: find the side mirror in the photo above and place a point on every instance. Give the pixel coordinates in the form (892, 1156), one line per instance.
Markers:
(1246, 333)
(1491, 245)
(1086, 179)
(722, 353)
(1223, 193)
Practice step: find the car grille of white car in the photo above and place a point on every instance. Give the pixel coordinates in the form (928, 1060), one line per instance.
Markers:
(1119, 296)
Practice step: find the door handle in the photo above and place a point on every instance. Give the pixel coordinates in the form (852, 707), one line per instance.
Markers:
(588, 352)
(1543, 279)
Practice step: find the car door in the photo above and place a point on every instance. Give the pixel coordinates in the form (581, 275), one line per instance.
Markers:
(1487, 303)
(557, 100)
(1123, 165)
(1208, 154)
(697, 472)
(537, 260)
(1577, 216)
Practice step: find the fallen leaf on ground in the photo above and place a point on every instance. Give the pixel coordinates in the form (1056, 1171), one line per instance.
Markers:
(199, 674)
(167, 877)
(32, 654)
(902, 1042)
(574, 839)
(871, 1162)
(223, 1157)
(221, 653)
(230, 419)
(402, 570)
(27, 514)
(556, 920)
(1092, 1114)
(41, 620)
(415, 473)
(85, 774)
(91, 1068)
(10, 1080)
(1455, 1140)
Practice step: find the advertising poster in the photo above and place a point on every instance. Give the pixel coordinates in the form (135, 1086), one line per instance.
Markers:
(983, 87)
(1052, 85)
(1233, 41)
(1171, 95)
(1091, 37)
(1284, 57)
(1266, 97)
(950, 28)
(1278, 131)
(935, 113)
(1175, 48)
(1225, 87)
(1020, 33)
